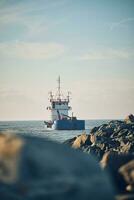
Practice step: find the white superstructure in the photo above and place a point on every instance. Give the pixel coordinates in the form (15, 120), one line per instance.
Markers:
(59, 106)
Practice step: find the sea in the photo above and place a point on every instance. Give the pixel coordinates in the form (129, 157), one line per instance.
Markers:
(37, 128)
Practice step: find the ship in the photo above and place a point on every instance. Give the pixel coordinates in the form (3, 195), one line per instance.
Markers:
(59, 109)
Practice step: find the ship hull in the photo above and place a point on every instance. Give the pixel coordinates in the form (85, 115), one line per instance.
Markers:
(69, 125)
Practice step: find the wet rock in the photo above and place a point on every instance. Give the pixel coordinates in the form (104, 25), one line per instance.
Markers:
(47, 170)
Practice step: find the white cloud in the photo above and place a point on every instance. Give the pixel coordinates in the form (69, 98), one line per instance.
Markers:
(108, 54)
(31, 50)
(120, 23)
(27, 15)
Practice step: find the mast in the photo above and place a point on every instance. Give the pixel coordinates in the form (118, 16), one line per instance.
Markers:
(59, 89)
(59, 104)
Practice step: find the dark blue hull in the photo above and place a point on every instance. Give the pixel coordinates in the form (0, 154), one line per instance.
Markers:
(69, 124)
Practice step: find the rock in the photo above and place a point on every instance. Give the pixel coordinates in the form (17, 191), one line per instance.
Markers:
(95, 151)
(88, 141)
(126, 147)
(118, 165)
(94, 130)
(93, 138)
(127, 172)
(116, 136)
(113, 145)
(79, 141)
(47, 170)
(10, 148)
(129, 119)
(70, 141)
(105, 159)
(125, 197)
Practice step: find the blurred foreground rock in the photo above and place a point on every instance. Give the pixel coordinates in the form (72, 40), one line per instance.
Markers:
(121, 168)
(127, 172)
(32, 168)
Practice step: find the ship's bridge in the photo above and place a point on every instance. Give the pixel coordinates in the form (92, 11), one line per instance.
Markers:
(59, 106)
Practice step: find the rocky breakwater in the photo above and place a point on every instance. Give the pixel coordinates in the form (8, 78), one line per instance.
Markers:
(115, 136)
(113, 145)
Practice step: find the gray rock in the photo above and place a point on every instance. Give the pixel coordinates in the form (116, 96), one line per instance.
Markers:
(117, 136)
(119, 166)
(129, 119)
(48, 170)
(127, 171)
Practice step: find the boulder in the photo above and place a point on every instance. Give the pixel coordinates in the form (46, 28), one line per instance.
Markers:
(93, 138)
(127, 171)
(47, 170)
(70, 141)
(118, 166)
(129, 119)
(125, 197)
(116, 136)
(79, 141)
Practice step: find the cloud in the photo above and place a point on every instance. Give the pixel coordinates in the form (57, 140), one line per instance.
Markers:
(31, 50)
(108, 54)
(120, 23)
(28, 15)
(21, 8)
(20, 15)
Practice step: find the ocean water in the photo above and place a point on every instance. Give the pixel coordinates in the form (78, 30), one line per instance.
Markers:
(37, 128)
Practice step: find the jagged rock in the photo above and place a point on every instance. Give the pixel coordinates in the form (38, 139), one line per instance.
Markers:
(79, 141)
(95, 151)
(47, 170)
(87, 141)
(94, 130)
(129, 119)
(93, 138)
(117, 136)
(126, 147)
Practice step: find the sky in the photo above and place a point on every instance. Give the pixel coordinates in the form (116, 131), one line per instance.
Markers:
(89, 43)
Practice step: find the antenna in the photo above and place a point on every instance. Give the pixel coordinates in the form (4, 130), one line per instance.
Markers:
(68, 96)
(59, 88)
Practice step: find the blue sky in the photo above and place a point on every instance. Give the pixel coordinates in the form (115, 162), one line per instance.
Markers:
(88, 42)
